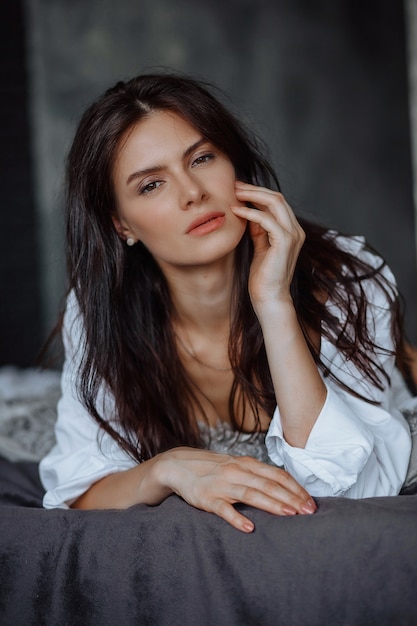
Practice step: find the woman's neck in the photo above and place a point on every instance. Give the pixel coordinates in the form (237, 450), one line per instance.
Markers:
(202, 296)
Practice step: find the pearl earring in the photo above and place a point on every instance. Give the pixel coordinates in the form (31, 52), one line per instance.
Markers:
(130, 241)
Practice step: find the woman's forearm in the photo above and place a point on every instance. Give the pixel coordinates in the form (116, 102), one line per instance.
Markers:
(277, 240)
(299, 389)
(141, 484)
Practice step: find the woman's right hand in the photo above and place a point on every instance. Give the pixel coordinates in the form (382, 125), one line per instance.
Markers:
(214, 482)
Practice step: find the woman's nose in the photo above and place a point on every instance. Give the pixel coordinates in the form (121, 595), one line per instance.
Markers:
(192, 191)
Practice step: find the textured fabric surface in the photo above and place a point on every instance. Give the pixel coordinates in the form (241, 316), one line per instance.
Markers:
(223, 439)
(28, 400)
(410, 483)
(354, 562)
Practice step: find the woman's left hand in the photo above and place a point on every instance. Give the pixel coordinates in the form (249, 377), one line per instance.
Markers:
(278, 239)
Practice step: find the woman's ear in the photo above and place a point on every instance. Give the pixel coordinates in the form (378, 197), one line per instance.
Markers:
(121, 230)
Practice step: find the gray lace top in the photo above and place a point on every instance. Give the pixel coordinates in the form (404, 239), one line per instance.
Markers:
(222, 438)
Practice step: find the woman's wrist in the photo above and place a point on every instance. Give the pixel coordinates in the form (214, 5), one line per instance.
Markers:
(155, 485)
(276, 313)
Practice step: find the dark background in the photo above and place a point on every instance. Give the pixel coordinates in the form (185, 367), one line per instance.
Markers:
(324, 83)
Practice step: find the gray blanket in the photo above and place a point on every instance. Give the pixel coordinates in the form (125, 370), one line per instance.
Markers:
(352, 563)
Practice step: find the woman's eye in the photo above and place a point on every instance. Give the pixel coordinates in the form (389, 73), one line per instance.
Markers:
(204, 158)
(150, 186)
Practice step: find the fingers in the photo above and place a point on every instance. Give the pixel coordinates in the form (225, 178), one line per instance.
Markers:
(266, 199)
(276, 474)
(275, 228)
(269, 488)
(215, 482)
(226, 511)
(277, 238)
(272, 213)
(247, 481)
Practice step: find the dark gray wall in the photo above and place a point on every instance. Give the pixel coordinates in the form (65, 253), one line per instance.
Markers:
(323, 82)
(20, 305)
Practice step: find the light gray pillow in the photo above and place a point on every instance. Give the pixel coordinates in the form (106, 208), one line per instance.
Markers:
(410, 483)
(28, 401)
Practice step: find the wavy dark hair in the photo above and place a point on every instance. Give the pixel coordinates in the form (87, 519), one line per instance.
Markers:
(124, 299)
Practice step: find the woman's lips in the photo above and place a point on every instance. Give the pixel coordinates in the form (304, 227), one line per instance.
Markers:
(206, 223)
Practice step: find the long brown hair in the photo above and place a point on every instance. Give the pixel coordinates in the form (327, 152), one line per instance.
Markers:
(124, 299)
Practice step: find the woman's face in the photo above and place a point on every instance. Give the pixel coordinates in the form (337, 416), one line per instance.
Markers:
(174, 191)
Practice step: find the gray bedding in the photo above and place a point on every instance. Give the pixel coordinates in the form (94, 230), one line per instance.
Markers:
(351, 563)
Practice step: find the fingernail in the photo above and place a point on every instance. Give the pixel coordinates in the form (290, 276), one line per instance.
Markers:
(248, 527)
(288, 510)
(308, 507)
(239, 182)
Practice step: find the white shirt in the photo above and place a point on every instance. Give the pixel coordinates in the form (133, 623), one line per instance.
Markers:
(355, 449)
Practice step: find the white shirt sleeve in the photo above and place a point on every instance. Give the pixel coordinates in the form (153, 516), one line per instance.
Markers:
(355, 449)
(84, 453)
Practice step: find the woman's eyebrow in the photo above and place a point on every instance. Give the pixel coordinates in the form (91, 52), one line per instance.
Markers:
(195, 145)
(158, 168)
(145, 172)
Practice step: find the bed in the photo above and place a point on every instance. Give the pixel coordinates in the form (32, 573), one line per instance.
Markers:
(353, 562)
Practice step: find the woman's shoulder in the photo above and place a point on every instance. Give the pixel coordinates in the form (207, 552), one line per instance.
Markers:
(356, 246)
(363, 257)
(72, 327)
(72, 307)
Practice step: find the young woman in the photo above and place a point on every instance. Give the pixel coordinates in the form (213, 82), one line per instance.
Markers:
(216, 347)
